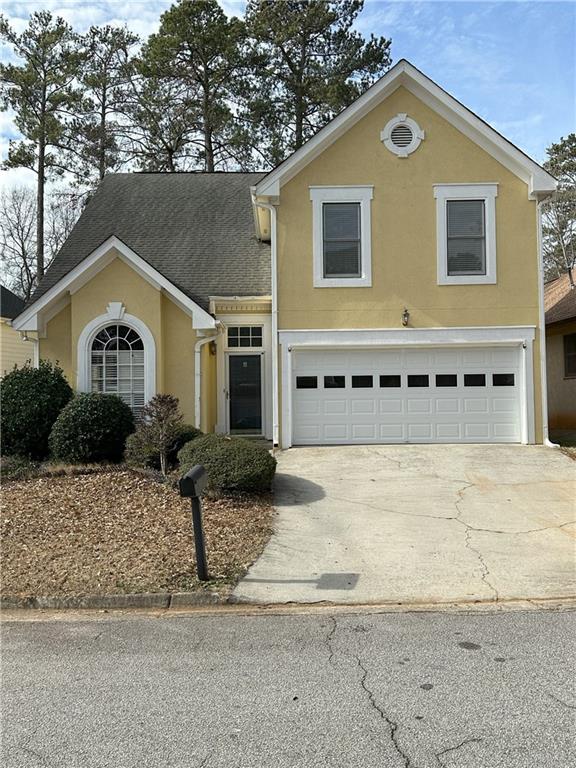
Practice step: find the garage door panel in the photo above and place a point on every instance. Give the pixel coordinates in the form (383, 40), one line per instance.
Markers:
(452, 408)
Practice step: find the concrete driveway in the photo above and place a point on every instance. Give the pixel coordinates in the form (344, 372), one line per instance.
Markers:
(426, 523)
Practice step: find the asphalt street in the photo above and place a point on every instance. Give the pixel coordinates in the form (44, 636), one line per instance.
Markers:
(413, 690)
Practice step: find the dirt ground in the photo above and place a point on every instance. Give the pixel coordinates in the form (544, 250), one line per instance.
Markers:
(119, 532)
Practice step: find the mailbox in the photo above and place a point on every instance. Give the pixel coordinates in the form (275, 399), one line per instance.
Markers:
(193, 483)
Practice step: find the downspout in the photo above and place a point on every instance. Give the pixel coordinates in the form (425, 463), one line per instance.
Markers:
(36, 351)
(542, 320)
(274, 291)
(198, 377)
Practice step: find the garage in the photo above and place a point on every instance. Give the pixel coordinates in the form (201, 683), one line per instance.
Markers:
(444, 394)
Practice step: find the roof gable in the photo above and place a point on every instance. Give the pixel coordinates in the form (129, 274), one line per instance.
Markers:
(540, 183)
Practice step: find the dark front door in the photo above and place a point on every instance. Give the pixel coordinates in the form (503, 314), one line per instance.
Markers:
(245, 391)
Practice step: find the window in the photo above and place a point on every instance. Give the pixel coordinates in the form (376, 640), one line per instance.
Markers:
(503, 379)
(362, 382)
(446, 380)
(418, 380)
(334, 382)
(306, 382)
(341, 228)
(466, 237)
(570, 355)
(466, 233)
(245, 336)
(117, 364)
(474, 380)
(341, 236)
(390, 381)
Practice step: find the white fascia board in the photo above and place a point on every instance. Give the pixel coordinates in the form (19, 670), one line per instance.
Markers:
(404, 74)
(96, 261)
(384, 337)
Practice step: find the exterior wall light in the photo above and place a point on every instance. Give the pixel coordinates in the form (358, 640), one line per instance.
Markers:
(405, 317)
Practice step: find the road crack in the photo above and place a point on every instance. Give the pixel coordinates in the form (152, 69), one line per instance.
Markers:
(392, 725)
(329, 640)
(438, 755)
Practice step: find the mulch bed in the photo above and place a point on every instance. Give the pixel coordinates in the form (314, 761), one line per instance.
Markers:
(120, 532)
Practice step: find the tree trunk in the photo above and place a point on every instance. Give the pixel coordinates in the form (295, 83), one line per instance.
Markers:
(208, 143)
(40, 210)
(298, 120)
(102, 140)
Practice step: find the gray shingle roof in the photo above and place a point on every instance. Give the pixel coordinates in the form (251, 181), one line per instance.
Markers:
(10, 304)
(196, 229)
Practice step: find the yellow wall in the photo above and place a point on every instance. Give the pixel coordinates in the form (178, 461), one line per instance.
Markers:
(13, 350)
(403, 211)
(172, 329)
(561, 391)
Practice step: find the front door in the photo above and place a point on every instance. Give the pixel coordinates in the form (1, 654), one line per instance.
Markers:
(245, 394)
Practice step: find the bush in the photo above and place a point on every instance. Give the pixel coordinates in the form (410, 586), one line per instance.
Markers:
(30, 401)
(93, 427)
(18, 468)
(232, 463)
(141, 453)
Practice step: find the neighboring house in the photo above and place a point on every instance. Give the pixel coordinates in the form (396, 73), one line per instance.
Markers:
(367, 290)
(13, 349)
(560, 306)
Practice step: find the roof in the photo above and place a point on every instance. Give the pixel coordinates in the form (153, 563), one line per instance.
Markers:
(540, 182)
(10, 304)
(559, 300)
(195, 229)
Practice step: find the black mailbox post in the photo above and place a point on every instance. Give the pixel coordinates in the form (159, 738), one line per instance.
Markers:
(192, 485)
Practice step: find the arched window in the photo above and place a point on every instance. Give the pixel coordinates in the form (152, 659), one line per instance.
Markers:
(117, 364)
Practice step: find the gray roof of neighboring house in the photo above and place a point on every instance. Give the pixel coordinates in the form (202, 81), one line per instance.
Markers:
(196, 229)
(559, 300)
(10, 304)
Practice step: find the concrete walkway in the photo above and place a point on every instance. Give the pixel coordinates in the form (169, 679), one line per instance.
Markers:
(426, 523)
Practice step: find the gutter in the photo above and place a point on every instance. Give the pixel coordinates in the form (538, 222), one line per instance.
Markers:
(274, 262)
(542, 321)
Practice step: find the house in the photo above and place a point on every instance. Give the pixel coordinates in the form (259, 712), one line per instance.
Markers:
(364, 291)
(560, 307)
(13, 349)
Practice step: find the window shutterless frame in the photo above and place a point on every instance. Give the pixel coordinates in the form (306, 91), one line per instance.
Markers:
(484, 193)
(362, 196)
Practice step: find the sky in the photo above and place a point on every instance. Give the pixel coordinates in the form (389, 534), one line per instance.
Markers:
(511, 62)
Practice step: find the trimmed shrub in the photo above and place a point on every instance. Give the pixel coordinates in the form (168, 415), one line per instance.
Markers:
(232, 463)
(140, 452)
(93, 427)
(30, 401)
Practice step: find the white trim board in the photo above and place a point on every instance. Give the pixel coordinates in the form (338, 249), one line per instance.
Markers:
(514, 336)
(540, 182)
(32, 318)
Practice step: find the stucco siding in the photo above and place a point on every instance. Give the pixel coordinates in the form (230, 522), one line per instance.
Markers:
(57, 344)
(561, 390)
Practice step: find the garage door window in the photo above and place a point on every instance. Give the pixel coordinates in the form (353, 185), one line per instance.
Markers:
(503, 379)
(362, 382)
(334, 382)
(474, 380)
(390, 381)
(306, 382)
(418, 380)
(446, 380)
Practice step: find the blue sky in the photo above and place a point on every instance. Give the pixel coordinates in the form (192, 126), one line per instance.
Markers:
(513, 63)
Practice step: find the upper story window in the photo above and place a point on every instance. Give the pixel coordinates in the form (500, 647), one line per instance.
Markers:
(570, 355)
(466, 233)
(245, 336)
(341, 236)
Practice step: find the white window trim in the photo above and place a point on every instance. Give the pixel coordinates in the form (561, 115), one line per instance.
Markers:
(115, 314)
(486, 192)
(362, 195)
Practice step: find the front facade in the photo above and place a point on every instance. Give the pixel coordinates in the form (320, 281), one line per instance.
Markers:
(376, 298)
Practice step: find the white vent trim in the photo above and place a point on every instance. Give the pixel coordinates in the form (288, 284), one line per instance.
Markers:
(402, 148)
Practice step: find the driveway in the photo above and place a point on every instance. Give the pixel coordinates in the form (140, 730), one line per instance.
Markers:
(426, 523)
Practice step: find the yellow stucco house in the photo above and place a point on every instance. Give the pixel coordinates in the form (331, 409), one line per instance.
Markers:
(382, 285)
(14, 350)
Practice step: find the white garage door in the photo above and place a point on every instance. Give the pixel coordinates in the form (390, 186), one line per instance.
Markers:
(440, 395)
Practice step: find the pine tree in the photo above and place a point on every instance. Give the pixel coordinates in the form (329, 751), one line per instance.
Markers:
(559, 221)
(42, 93)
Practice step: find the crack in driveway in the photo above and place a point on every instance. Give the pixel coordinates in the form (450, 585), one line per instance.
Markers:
(438, 755)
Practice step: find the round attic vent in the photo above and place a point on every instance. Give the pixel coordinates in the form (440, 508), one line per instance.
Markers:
(402, 135)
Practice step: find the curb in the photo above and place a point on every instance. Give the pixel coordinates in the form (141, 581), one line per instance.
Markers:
(165, 600)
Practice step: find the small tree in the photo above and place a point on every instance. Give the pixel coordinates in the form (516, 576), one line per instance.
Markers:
(161, 425)
(559, 221)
